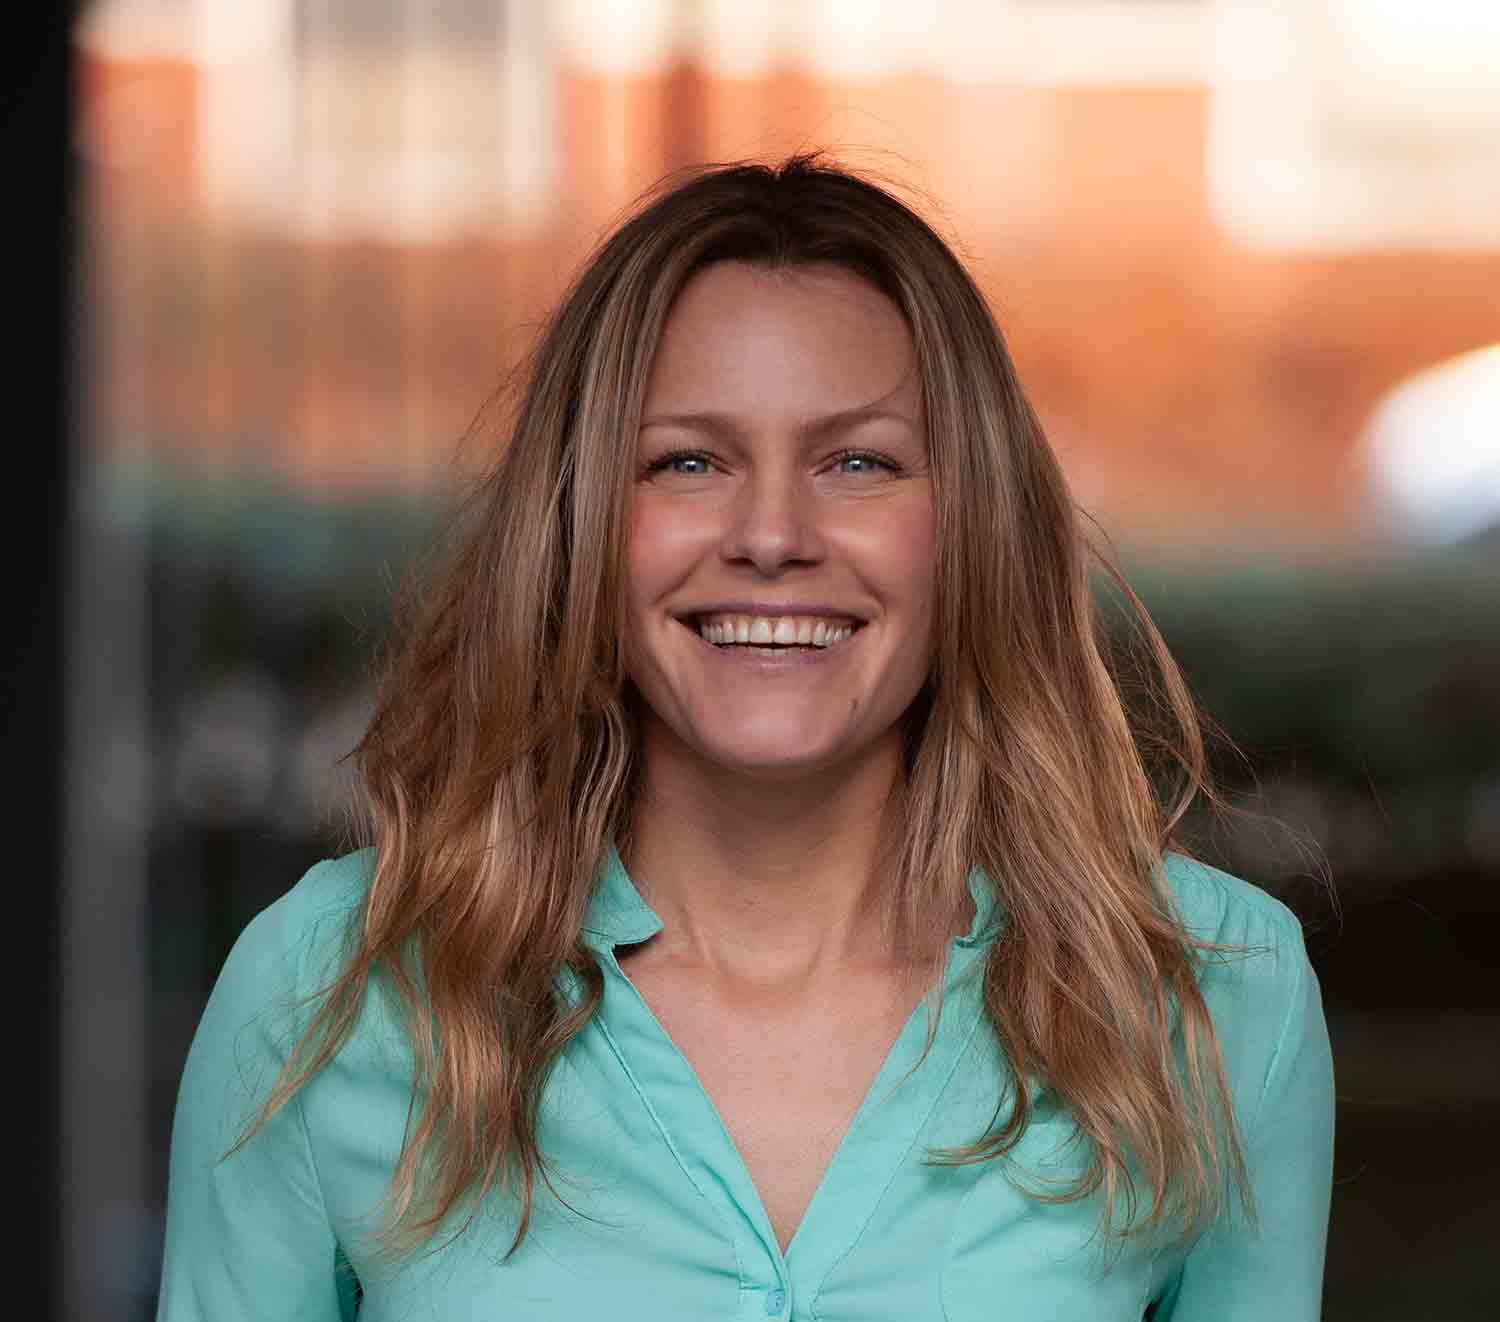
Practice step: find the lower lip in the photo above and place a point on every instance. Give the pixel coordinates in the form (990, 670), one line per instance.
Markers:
(747, 658)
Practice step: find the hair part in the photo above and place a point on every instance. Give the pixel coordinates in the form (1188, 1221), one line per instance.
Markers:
(503, 754)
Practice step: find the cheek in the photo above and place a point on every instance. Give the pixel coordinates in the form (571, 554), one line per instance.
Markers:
(662, 541)
(648, 555)
(902, 555)
(661, 549)
(918, 553)
(910, 558)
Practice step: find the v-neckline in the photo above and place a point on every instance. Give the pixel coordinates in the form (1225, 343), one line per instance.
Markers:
(866, 1157)
(875, 1142)
(736, 1105)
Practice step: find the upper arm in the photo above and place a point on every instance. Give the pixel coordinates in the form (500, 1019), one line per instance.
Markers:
(1269, 1015)
(247, 1235)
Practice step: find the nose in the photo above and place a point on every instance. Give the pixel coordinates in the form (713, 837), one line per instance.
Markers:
(774, 522)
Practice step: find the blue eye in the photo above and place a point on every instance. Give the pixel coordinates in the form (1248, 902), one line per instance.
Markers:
(675, 457)
(866, 457)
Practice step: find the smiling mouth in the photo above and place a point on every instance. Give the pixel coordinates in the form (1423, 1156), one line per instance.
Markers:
(691, 623)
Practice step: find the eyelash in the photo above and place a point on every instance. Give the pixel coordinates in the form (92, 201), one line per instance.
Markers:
(673, 455)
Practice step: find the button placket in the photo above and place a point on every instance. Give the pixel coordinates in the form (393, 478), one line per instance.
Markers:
(775, 1301)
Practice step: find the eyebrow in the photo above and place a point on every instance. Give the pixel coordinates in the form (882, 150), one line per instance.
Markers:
(723, 423)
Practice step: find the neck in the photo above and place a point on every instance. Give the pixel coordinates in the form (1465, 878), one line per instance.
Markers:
(764, 884)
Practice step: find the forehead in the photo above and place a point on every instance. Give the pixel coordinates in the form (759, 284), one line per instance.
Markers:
(805, 339)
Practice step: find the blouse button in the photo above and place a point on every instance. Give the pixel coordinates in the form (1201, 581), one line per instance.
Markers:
(775, 1301)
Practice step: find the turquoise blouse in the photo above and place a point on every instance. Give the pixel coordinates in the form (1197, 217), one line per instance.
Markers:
(665, 1222)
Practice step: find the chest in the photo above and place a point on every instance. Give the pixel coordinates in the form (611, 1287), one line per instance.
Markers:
(786, 1086)
(692, 1143)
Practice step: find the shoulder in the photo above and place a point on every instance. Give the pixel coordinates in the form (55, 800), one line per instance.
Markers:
(299, 937)
(333, 888)
(1258, 984)
(1214, 905)
(1263, 996)
(266, 992)
(1254, 966)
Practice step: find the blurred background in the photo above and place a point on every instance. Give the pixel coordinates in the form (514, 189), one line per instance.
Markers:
(1246, 254)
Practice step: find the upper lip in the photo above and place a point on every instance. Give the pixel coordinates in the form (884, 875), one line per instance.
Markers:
(772, 610)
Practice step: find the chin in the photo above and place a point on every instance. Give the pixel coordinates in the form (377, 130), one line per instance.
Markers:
(771, 764)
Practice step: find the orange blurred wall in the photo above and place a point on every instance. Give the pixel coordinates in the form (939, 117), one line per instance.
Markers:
(1195, 389)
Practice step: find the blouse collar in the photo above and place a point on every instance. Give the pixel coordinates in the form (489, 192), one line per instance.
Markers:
(619, 915)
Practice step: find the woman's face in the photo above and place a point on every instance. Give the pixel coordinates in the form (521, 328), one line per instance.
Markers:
(781, 490)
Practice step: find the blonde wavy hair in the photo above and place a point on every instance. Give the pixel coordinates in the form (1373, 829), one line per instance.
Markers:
(503, 754)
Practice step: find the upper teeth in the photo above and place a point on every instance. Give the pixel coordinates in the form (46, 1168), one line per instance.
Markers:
(786, 629)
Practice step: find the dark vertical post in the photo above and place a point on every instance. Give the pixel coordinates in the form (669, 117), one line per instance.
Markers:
(37, 110)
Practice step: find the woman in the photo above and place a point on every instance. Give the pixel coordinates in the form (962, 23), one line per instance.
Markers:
(768, 910)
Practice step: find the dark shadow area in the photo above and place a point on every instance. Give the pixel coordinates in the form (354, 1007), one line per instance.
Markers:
(37, 398)
(1414, 1212)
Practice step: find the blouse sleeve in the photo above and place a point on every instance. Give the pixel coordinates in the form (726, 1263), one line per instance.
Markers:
(1235, 1273)
(248, 1236)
